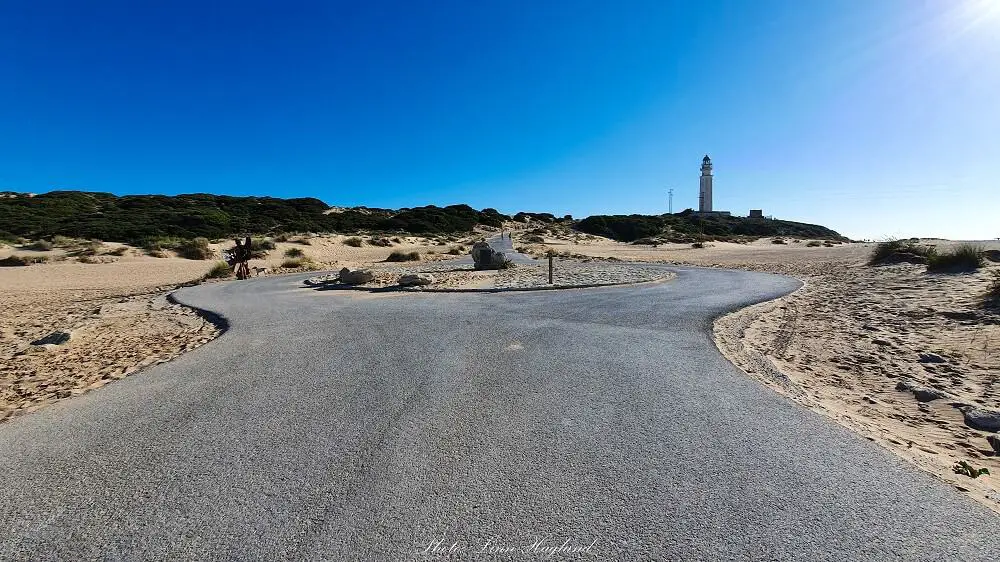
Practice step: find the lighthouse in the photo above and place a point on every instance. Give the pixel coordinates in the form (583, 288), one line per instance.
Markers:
(705, 191)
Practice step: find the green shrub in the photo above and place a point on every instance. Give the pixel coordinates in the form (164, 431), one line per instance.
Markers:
(353, 241)
(259, 247)
(119, 251)
(85, 248)
(397, 255)
(196, 249)
(814, 243)
(160, 243)
(19, 261)
(281, 237)
(38, 246)
(900, 250)
(62, 241)
(962, 258)
(220, 270)
(294, 253)
(698, 245)
(397, 239)
(303, 241)
(455, 252)
(778, 241)
(297, 263)
(157, 254)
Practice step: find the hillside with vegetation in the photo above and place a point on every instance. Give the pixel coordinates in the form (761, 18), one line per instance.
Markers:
(687, 226)
(138, 218)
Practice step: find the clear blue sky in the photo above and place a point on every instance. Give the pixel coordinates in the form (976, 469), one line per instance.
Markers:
(872, 117)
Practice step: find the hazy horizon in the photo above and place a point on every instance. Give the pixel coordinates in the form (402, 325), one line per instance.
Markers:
(873, 119)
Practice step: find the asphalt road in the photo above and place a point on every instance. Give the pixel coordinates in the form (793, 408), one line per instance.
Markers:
(334, 426)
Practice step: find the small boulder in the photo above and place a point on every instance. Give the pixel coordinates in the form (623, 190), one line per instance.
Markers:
(55, 338)
(931, 358)
(411, 279)
(356, 276)
(994, 441)
(921, 393)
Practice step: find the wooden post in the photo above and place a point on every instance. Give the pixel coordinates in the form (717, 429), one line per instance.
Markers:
(550, 269)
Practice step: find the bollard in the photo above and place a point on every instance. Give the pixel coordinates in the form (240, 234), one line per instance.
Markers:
(550, 269)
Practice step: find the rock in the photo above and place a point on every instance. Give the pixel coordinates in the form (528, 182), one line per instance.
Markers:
(994, 441)
(356, 276)
(411, 279)
(921, 393)
(982, 419)
(321, 280)
(55, 338)
(485, 257)
(931, 358)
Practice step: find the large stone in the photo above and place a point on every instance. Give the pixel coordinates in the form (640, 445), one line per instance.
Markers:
(485, 257)
(411, 279)
(356, 276)
(982, 419)
(55, 338)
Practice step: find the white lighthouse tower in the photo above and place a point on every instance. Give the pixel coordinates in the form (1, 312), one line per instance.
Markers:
(705, 193)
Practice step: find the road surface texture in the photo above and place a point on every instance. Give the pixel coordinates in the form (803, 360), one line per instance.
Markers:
(333, 426)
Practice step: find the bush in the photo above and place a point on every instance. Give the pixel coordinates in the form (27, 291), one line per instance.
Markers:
(294, 253)
(220, 270)
(259, 247)
(778, 241)
(814, 244)
(62, 241)
(534, 239)
(698, 245)
(397, 255)
(897, 251)
(963, 258)
(39, 246)
(397, 239)
(303, 241)
(85, 248)
(119, 251)
(455, 251)
(158, 254)
(18, 261)
(353, 241)
(296, 263)
(196, 249)
(381, 242)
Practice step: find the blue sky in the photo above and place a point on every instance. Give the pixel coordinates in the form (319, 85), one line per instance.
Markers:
(874, 118)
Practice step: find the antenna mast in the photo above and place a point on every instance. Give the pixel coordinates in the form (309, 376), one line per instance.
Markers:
(670, 201)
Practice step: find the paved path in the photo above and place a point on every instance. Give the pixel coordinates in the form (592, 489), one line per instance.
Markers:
(330, 426)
